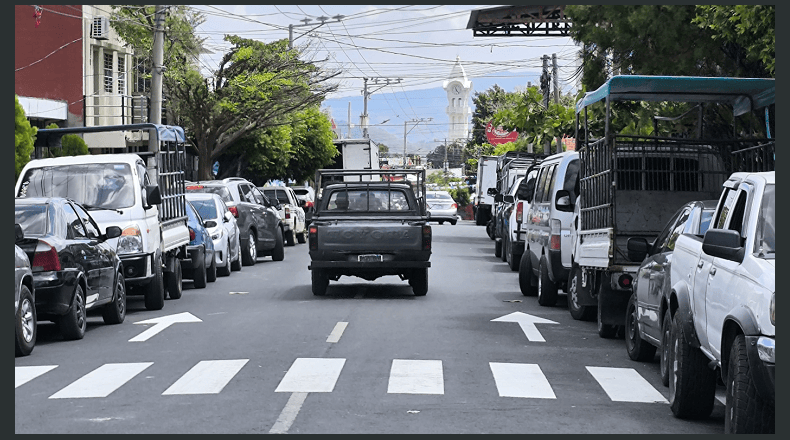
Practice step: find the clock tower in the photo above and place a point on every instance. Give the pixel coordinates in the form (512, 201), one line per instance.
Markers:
(458, 111)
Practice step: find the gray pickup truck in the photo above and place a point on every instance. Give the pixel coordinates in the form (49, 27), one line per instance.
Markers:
(368, 224)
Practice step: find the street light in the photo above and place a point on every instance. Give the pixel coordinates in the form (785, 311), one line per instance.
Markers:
(415, 122)
(307, 22)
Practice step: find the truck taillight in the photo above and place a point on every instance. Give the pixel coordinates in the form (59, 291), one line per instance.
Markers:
(46, 258)
(312, 236)
(519, 212)
(427, 235)
(191, 234)
(234, 210)
(287, 213)
(308, 204)
(554, 241)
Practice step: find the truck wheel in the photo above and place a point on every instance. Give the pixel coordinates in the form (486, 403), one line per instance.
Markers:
(198, 272)
(211, 272)
(666, 354)
(235, 265)
(745, 412)
(692, 385)
(225, 270)
(513, 259)
(638, 349)
(547, 290)
(155, 290)
(578, 312)
(419, 282)
(174, 279)
(505, 249)
(250, 255)
(525, 275)
(289, 238)
(320, 282)
(301, 237)
(498, 248)
(74, 322)
(278, 253)
(479, 218)
(26, 323)
(490, 230)
(115, 311)
(606, 331)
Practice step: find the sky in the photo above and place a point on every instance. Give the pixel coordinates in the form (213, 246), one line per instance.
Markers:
(416, 43)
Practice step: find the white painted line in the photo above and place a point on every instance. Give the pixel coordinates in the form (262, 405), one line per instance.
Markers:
(207, 377)
(337, 332)
(101, 381)
(288, 414)
(521, 380)
(311, 375)
(23, 375)
(626, 385)
(416, 377)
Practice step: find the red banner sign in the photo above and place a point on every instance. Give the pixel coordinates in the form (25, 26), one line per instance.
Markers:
(498, 136)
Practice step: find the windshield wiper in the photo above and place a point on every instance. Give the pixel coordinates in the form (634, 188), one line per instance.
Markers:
(94, 208)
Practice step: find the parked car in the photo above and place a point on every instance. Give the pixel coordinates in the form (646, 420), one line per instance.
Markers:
(24, 300)
(225, 235)
(201, 266)
(513, 234)
(504, 208)
(262, 231)
(74, 268)
(291, 213)
(306, 195)
(442, 207)
(647, 323)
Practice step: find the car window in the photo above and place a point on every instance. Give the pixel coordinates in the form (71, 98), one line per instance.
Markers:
(32, 219)
(258, 197)
(74, 228)
(541, 184)
(548, 191)
(677, 229)
(206, 208)
(765, 240)
(219, 190)
(142, 176)
(91, 229)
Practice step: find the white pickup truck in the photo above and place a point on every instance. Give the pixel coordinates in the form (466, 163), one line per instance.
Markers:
(723, 307)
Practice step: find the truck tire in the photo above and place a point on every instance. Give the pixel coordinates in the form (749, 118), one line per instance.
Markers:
(211, 271)
(198, 271)
(638, 349)
(525, 275)
(606, 331)
(745, 411)
(480, 217)
(419, 282)
(320, 282)
(73, 324)
(155, 290)
(278, 253)
(547, 290)
(26, 323)
(692, 385)
(250, 254)
(289, 238)
(665, 359)
(173, 280)
(115, 311)
(498, 248)
(505, 250)
(578, 312)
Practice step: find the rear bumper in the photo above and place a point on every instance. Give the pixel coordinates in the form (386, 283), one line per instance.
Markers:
(384, 265)
(54, 291)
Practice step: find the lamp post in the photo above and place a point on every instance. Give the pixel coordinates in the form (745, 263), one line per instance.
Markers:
(307, 22)
(415, 122)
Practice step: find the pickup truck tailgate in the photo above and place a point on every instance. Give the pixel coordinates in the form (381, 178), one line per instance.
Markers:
(369, 237)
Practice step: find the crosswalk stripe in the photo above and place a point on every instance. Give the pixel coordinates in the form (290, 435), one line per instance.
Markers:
(23, 375)
(311, 375)
(416, 377)
(521, 380)
(625, 385)
(101, 381)
(207, 377)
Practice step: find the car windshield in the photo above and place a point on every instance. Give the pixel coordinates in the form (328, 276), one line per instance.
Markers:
(95, 185)
(765, 243)
(212, 189)
(32, 219)
(206, 208)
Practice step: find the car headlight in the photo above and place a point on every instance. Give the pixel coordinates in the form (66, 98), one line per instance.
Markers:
(773, 309)
(130, 241)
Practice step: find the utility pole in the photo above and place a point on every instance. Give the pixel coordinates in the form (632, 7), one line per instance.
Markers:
(158, 68)
(556, 80)
(415, 122)
(544, 81)
(307, 22)
(363, 118)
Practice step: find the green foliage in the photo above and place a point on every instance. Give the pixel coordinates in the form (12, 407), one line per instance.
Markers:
(460, 195)
(312, 144)
(24, 136)
(71, 145)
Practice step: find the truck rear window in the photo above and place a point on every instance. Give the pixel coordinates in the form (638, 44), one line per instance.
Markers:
(369, 201)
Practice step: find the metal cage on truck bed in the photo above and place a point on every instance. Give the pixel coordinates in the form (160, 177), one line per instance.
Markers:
(414, 178)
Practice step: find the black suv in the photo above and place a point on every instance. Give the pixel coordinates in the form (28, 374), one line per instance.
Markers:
(259, 223)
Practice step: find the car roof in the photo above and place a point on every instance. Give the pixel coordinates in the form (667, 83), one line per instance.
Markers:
(202, 195)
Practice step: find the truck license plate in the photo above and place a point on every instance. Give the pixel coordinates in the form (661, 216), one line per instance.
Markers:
(369, 258)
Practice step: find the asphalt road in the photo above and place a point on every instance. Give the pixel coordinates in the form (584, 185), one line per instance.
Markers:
(256, 352)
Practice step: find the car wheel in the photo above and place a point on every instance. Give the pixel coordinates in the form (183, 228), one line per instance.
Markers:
(250, 255)
(745, 411)
(155, 291)
(235, 265)
(419, 282)
(692, 385)
(199, 271)
(211, 271)
(578, 312)
(26, 323)
(225, 270)
(498, 248)
(453, 222)
(174, 280)
(320, 282)
(525, 275)
(115, 311)
(74, 322)
(505, 250)
(547, 290)
(301, 237)
(289, 238)
(638, 349)
(278, 253)
(666, 354)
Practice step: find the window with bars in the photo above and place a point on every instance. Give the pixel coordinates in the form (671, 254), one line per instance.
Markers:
(108, 72)
(121, 75)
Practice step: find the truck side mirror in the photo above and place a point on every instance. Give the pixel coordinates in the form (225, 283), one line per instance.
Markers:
(18, 230)
(723, 243)
(508, 199)
(152, 195)
(562, 201)
(491, 191)
(498, 198)
(637, 249)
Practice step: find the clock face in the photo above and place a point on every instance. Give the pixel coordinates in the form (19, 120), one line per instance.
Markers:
(457, 89)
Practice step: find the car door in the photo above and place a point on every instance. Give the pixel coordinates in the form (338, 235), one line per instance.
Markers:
(266, 216)
(105, 258)
(85, 254)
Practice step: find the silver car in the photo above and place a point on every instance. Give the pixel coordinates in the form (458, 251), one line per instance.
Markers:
(442, 207)
(24, 300)
(227, 246)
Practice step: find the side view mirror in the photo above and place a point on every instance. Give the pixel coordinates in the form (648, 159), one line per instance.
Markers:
(18, 230)
(210, 224)
(498, 198)
(491, 191)
(637, 248)
(112, 232)
(509, 199)
(562, 201)
(228, 216)
(152, 195)
(723, 243)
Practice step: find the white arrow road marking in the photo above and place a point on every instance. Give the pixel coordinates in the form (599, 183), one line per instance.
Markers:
(311, 375)
(101, 381)
(207, 377)
(23, 375)
(625, 385)
(521, 380)
(527, 323)
(416, 377)
(162, 323)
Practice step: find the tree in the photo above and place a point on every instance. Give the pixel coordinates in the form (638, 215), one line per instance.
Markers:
(24, 136)
(70, 145)
(486, 104)
(312, 146)
(536, 124)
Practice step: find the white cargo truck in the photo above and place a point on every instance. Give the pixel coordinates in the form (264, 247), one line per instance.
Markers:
(486, 178)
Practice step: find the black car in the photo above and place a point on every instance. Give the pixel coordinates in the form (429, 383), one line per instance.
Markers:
(74, 268)
(647, 324)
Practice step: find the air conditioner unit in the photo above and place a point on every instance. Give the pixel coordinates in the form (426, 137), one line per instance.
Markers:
(100, 28)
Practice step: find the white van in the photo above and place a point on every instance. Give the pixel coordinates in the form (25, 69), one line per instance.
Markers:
(546, 262)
